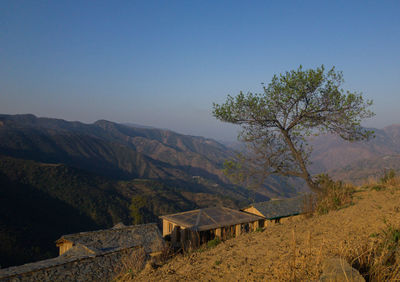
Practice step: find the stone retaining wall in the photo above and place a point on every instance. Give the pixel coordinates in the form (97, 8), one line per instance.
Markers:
(97, 268)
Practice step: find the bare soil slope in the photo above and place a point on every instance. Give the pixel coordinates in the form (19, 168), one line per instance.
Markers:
(268, 255)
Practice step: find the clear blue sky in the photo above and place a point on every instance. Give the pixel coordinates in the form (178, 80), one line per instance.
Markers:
(163, 63)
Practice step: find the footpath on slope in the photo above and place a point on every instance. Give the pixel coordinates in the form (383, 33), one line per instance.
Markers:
(268, 255)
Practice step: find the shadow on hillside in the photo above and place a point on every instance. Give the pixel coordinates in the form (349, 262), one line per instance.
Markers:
(28, 230)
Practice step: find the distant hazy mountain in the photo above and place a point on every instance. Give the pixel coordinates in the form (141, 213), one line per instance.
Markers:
(354, 161)
(357, 160)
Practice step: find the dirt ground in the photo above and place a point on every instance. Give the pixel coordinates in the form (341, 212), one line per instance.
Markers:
(273, 255)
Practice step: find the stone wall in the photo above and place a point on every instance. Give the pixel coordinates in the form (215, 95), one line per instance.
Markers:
(97, 268)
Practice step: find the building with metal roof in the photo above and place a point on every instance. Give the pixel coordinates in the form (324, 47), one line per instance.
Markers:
(275, 210)
(208, 223)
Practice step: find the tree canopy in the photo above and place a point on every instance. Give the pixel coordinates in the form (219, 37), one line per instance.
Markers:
(294, 105)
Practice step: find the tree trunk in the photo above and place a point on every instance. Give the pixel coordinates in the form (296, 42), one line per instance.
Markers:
(297, 155)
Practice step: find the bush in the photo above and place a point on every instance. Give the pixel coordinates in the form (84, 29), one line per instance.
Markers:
(377, 187)
(334, 195)
(388, 176)
(389, 179)
(214, 242)
(259, 229)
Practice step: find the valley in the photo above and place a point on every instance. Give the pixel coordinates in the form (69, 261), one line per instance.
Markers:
(66, 177)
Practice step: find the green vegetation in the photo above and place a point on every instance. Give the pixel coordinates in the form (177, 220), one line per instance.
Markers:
(275, 123)
(60, 177)
(333, 195)
(260, 229)
(388, 176)
(389, 179)
(39, 203)
(377, 187)
(213, 243)
(59, 199)
(136, 208)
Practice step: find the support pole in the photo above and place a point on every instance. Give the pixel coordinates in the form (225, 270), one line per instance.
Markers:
(255, 225)
(238, 229)
(218, 233)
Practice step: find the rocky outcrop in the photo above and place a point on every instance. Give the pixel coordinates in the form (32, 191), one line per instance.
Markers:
(337, 270)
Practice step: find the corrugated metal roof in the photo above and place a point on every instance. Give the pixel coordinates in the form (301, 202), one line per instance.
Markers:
(280, 208)
(210, 218)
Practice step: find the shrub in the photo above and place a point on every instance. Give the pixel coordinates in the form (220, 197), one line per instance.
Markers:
(377, 187)
(218, 262)
(259, 229)
(334, 195)
(388, 175)
(214, 242)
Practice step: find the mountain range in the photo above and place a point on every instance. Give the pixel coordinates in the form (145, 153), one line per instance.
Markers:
(59, 177)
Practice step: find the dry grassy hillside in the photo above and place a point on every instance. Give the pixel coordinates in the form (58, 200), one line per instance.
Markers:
(363, 232)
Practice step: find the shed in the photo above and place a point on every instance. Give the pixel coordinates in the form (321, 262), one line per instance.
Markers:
(276, 210)
(208, 223)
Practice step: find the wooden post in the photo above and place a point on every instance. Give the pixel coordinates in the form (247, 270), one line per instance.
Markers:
(166, 230)
(195, 238)
(255, 225)
(183, 236)
(218, 233)
(238, 229)
(175, 235)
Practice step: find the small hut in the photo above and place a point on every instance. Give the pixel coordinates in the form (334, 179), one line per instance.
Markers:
(277, 211)
(202, 225)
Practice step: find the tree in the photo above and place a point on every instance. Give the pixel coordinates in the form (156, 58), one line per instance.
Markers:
(136, 209)
(276, 123)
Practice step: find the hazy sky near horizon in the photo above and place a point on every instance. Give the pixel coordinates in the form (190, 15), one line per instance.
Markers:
(163, 63)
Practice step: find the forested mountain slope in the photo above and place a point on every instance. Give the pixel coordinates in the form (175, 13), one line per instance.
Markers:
(59, 177)
(39, 202)
(65, 177)
(114, 149)
(123, 152)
